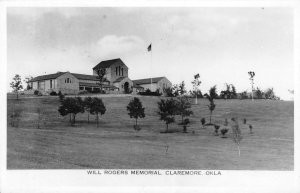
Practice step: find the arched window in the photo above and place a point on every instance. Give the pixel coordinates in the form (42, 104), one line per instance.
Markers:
(119, 70)
(68, 80)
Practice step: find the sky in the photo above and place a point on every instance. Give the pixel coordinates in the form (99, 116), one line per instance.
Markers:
(221, 44)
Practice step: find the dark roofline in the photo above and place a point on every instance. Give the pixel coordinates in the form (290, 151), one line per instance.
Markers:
(148, 80)
(58, 74)
(47, 76)
(108, 63)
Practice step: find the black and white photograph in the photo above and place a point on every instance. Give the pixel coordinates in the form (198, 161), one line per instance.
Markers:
(156, 90)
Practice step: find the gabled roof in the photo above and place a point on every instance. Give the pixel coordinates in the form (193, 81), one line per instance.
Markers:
(58, 74)
(108, 63)
(85, 76)
(47, 77)
(147, 80)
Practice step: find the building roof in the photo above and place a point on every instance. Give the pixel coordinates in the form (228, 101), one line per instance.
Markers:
(85, 77)
(147, 80)
(47, 77)
(58, 74)
(120, 79)
(108, 63)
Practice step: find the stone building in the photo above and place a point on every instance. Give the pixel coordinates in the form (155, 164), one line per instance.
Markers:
(116, 80)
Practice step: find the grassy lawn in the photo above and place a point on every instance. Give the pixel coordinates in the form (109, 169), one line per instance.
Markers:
(114, 144)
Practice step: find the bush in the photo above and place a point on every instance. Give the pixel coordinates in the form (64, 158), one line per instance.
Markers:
(223, 132)
(53, 93)
(83, 92)
(150, 93)
(36, 92)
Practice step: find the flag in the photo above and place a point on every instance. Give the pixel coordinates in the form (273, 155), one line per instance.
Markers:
(149, 48)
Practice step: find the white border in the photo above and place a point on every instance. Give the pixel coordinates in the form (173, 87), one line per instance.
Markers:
(79, 181)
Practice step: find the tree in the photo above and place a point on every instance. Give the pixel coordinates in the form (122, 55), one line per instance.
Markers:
(259, 93)
(168, 91)
(16, 84)
(225, 94)
(182, 89)
(212, 95)
(196, 83)
(101, 72)
(175, 90)
(27, 81)
(252, 74)
(136, 110)
(88, 105)
(269, 93)
(97, 107)
(244, 95)
(183, 109)
(237, 136)
(167, 111)
(233, 94)
(71, 106)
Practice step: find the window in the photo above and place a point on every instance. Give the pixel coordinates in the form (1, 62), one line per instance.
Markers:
(68, 80)
(119, 70)
(50, 83)
(122, 71)
(116, 71)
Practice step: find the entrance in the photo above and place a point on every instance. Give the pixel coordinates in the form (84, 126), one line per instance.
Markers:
(126, 87)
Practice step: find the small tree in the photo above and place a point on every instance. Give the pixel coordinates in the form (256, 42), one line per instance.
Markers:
(183, 109)
(182, 89)
(259, 93)
(167, 111)
(269, 93)
(196, 83)
(97, 107)
(168, 92)
(87, 106)
(237, 136)
(212, 95)
(252, 74)
(175, 90)
(233, 94)
(101, 72)
(136, 110)
(16, 84)
(71, 106)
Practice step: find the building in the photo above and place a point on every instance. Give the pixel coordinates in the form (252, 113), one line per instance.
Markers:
(153, 84)
(115, 80)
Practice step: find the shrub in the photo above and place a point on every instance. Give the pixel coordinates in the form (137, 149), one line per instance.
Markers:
(36, 92)
(150, 93)
(53, 93)
(83, 92)
(223, 132)
(217, 127)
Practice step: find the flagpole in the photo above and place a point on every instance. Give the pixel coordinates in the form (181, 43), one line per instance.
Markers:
(151, 69)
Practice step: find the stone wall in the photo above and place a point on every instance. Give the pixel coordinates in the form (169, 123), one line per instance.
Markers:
(67, 88)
